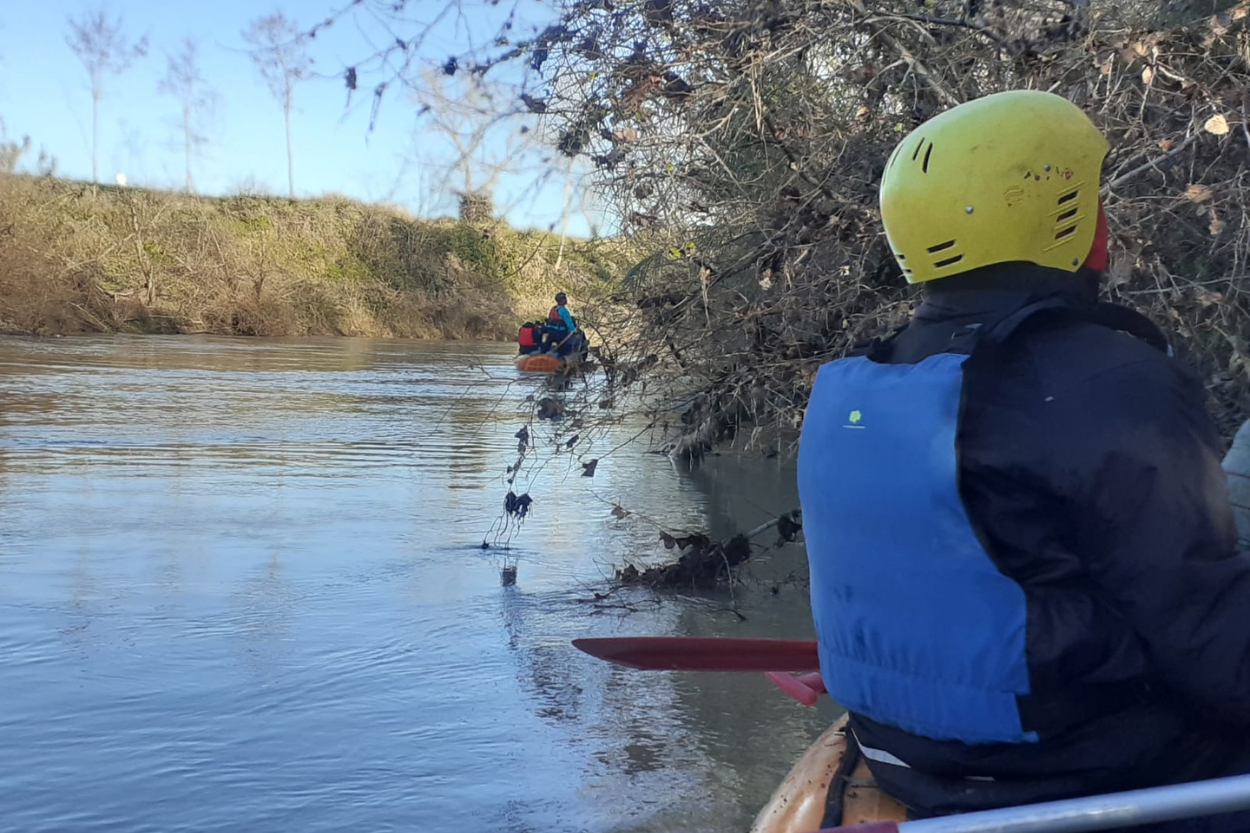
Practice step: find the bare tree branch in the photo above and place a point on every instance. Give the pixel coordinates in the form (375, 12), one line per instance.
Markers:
(279, 52)
(185, 82)
(104, 49)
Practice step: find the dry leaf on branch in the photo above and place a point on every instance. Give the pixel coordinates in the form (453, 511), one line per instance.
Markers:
(1120, 271)
(1199, 193)
(1217, 125)
(1208, 298)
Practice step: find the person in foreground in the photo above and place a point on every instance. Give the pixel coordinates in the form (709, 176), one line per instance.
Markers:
(1024, 575)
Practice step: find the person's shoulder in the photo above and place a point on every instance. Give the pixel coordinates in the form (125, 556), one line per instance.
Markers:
(1083, 351)
(1081, 390)
(1102, 379)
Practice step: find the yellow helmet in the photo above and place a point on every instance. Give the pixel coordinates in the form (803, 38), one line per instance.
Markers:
(1011, 176)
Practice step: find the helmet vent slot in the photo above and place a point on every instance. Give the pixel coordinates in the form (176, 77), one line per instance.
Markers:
(941, 247)
(1068, 215)
(927, 147)
(1068, 232)
(950, 261)
(1069, 197)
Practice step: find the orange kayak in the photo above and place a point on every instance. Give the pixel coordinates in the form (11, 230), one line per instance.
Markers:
(540, 363)
(800, 803)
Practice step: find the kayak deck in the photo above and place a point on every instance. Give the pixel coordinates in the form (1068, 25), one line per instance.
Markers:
(800, 803)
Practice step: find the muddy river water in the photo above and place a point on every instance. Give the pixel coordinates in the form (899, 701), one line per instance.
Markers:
(242, 588)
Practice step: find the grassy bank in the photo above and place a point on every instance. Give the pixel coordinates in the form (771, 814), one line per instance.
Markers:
(76, 258)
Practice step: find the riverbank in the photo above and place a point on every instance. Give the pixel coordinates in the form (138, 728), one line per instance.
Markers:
(78, 258)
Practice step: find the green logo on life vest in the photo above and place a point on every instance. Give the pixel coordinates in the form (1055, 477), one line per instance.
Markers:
(855, 417)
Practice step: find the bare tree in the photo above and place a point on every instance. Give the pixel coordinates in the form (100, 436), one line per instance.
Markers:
(104, 50)
(11, 151)
(14, 152)
(481, 127)
(279, 51)
(184, 82)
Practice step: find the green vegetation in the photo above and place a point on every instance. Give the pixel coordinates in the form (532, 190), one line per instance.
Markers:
(82, 258)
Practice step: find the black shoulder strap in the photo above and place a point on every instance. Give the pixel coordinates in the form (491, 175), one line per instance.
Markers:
(1132, 322)
(1112, 316)
(878, 348)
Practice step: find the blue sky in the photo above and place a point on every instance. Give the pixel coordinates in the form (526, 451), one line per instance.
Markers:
(44, 94)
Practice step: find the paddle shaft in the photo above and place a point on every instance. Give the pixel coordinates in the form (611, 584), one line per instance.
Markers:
(1096, 812)
(703, 653)
(1076, 815)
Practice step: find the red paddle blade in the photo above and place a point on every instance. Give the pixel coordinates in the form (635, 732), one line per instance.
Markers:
(806, 688)
(703, 653)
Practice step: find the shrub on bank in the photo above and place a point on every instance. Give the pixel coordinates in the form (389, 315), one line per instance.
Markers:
(78, 258)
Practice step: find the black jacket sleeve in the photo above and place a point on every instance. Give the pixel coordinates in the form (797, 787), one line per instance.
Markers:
(1153, 526)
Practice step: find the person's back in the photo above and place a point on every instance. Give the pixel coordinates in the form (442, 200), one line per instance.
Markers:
(559, 316)
(565, 338)
(1024, 579)
(530, 337)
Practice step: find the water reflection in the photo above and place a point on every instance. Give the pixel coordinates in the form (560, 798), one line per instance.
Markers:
(240, 588)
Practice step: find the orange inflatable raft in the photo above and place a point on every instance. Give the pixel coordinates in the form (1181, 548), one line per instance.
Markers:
(539, 363)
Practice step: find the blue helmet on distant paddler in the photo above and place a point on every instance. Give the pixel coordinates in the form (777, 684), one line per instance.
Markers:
(1024, 576)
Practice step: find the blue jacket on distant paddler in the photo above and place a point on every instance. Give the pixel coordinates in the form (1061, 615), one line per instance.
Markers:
(1024, 574)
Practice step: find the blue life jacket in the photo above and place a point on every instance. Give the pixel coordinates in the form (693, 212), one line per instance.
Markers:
(917, 628)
